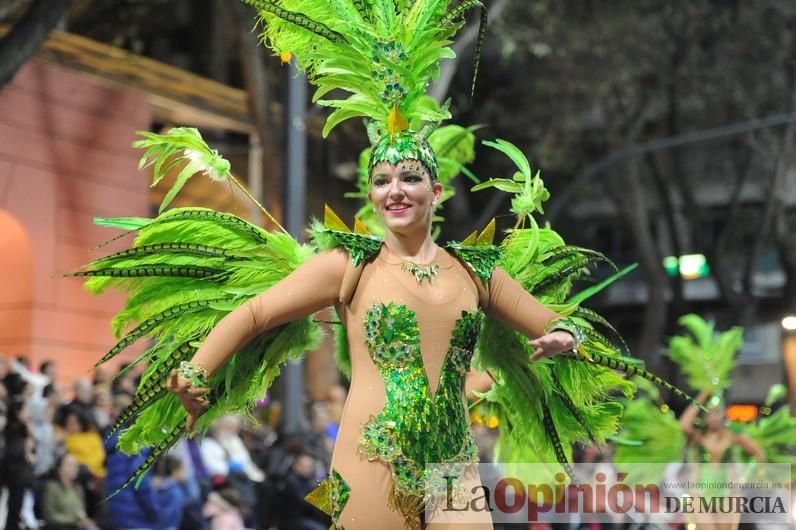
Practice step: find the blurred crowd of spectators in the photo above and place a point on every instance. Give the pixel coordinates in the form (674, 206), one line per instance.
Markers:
(60, 470)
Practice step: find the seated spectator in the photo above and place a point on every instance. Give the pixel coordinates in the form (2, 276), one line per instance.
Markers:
(36, 381)
(48, 440)
(224, 508)
(214, 458)
(101, 377)
(83, 402)
(229, 437)
(84, 442)
(170, 490)
(49, 370)
(132, 507)
(323, 431)
(196, 482)
(63, 506)
(125, 383)
(16, 467)
(102, 408)
(300, 514)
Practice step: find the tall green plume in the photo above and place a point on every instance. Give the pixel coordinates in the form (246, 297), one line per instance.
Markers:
(180, 145)
(706, 357)
(382, 52)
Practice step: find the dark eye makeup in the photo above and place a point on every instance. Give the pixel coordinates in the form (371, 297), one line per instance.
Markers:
(411, 177)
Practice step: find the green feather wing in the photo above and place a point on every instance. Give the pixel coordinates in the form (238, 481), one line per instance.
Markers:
(186, 270)
(657, 439)
(544, 407)
(658, 431)
(776, 435)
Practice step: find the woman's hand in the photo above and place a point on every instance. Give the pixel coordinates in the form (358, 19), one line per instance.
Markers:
(551, 344)
(193, 399)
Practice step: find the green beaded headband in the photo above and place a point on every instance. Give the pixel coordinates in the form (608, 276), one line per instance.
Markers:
(404, 146)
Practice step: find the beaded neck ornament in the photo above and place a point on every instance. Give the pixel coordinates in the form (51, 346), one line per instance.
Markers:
(422, 272)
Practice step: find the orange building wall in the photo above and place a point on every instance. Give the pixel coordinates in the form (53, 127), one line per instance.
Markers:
(65, 157)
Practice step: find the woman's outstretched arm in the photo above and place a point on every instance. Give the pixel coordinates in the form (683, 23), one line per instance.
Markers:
(690, 413)
(311, 287)
(515, 307)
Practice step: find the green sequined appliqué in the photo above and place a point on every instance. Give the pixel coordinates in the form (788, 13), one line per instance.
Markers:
(360, 247)
(416, 427)
(481, 258)
(331, 496)
(404, 146)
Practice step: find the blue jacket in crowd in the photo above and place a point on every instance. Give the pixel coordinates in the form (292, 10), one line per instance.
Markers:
(132, 507)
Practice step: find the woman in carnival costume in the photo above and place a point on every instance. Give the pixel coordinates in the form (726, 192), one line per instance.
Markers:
(227, 302)
(707, 359)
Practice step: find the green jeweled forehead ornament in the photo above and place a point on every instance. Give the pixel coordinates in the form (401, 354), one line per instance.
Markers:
(404, 146)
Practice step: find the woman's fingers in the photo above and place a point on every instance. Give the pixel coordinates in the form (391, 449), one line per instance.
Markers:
(194, 408)
(190, 422)
(551, 344)
(173, 384)
(537, 354)
(193, 399)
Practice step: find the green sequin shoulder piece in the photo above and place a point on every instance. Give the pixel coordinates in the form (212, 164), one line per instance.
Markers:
(361, 247)
(482, 259)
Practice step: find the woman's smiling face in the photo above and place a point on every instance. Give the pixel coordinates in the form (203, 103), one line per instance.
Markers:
(403, 195)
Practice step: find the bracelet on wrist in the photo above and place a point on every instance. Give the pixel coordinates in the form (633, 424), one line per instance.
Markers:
(568, 325)
(194, 373)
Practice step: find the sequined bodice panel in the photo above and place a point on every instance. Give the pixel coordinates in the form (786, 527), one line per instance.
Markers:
(434, 306)
(410, 344)
(415, 424)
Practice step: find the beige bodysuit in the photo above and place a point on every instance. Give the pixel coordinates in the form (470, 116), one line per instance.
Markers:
(410, 345)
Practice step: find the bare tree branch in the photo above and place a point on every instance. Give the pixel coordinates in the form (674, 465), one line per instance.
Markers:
(256, 82)
(10, 7)
(28, 34)
(676, 281)
(733, 218)
(634, 150)
(774, 203)
(628, 195)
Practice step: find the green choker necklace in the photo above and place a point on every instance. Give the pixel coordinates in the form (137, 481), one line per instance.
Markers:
(422, 272)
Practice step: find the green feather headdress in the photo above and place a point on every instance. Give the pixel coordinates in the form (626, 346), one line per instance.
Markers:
(706, 357)
(383, 53)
